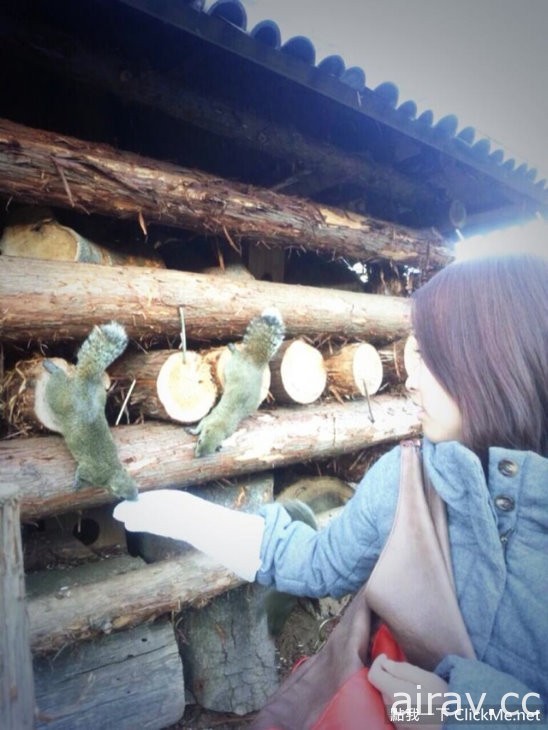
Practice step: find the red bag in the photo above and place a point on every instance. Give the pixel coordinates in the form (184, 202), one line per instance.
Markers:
(357, 696)
(411, 589)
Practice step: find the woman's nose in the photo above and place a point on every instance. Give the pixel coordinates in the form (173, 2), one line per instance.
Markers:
(411, 382)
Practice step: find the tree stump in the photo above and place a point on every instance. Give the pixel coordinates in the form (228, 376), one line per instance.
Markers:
(298, 373)
(229, 658)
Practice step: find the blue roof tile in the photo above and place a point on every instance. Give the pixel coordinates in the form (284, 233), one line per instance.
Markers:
(387, 92)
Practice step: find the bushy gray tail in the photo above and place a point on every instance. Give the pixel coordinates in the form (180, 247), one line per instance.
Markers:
(103, 345)
(263, 336)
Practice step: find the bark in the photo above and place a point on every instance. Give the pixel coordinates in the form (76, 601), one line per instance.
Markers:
(298, 373)
(45, 167)
(161, 455)
(16, 679)
(134, 596)
(355, 370)
(58, 300)
(156, 384)
(238, 673)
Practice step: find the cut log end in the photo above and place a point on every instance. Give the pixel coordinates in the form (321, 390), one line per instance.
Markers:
(356, 370)
(299, 374)
(185, 387)
(37, 235)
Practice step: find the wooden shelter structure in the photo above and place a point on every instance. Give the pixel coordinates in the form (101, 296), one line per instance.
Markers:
(164, 166)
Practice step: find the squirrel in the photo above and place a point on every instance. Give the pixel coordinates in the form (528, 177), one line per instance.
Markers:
(77, 402)
(276, 604)
(243, 379)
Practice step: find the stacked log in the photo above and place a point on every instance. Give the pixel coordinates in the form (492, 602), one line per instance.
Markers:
(162, 455)
(56, 285)
(23, 394)
(58, 301)
(183, 386)
(89, 687)
(85, 176)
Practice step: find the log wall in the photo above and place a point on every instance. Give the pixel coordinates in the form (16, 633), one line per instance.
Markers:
(47, 307)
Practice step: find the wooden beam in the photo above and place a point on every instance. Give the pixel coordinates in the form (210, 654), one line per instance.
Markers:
(162, 455)
(125, 680)
(16, 678)
(58, 300)
(45, 167)
(134, 597)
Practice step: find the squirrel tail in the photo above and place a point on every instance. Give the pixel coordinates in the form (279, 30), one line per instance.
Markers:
(263, 336)
(103, 345)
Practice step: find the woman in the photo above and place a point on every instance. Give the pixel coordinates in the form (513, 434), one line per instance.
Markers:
(481, 385)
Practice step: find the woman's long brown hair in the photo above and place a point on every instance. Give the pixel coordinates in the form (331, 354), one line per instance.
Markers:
(482, 328)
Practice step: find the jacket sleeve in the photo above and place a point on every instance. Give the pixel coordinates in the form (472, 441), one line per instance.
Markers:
(339, 558)
(491, 691)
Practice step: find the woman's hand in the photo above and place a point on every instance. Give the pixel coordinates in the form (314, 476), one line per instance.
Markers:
(397, 681)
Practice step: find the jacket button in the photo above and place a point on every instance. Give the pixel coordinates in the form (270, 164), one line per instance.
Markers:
(508, 468)
(504, 504)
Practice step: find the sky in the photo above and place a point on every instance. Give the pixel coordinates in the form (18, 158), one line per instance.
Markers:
(486, 61)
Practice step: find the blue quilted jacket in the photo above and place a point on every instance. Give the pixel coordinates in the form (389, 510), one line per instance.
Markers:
(498, 530)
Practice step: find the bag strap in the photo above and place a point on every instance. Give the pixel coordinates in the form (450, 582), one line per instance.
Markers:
(412, 587)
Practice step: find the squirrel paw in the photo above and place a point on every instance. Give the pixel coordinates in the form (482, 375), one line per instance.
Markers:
(122, 485)
(209, 439)
(80, 482)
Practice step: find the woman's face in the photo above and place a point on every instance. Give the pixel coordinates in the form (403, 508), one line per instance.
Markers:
(439, 414)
